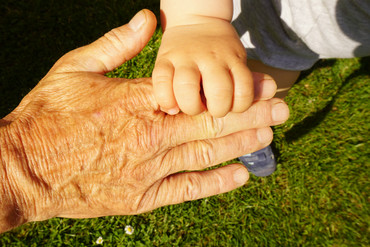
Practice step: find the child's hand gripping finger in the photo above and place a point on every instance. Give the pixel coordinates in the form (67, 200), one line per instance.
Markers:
(208, 57)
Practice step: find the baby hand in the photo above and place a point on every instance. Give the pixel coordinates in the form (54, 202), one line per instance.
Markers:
(206, 57)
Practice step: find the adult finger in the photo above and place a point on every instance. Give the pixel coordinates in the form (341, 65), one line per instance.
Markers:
(113, 49)
(183, 128)
(198, 155)
(189, 186)
(264, 86)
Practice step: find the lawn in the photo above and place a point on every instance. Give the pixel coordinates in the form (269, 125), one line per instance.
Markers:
(319, 195)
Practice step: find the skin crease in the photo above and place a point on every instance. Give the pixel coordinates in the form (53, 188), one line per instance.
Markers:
(82, 145)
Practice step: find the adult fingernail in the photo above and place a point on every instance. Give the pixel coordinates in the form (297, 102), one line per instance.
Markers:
(137, 21)
(264, 135)
(280, 112)
(241, 176)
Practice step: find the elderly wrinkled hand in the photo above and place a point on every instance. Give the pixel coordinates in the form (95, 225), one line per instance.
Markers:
(84, 145)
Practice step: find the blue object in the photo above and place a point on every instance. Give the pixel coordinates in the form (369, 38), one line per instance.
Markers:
(261, 163)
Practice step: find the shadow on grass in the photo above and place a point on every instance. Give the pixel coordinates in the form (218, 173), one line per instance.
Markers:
(318, 65)
(309, 123)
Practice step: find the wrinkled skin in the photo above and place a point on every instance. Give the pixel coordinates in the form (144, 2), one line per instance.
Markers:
(83, 145)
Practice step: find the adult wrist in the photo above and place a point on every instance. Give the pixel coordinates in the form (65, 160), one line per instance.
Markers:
(11, 212)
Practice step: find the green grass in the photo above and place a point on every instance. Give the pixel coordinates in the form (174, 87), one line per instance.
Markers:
(319, 196)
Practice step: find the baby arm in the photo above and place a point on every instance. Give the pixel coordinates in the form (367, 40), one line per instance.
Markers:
(201, 50)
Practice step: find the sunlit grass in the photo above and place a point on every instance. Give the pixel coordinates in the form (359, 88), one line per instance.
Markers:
(318, 196)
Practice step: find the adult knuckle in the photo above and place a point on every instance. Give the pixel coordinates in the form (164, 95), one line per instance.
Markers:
(114, 41)
(193, 187)
(219, 126)
(262, 114)
(213, 126)
(219, 182)
(113, 36)
(205, 152)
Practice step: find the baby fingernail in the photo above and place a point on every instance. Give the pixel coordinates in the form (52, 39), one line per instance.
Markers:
(280, 112)
(241, 176)
(173, 111)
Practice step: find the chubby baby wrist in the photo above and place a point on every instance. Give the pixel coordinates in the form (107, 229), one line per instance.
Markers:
(192, 20)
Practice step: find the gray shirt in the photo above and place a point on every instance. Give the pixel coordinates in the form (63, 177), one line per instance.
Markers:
(294, 34)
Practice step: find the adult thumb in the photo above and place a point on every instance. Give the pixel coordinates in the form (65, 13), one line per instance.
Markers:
(114, 48)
